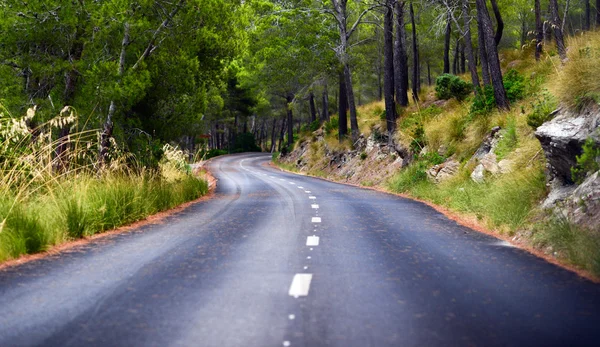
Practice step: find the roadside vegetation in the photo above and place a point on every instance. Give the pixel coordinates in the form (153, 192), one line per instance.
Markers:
(47, 199)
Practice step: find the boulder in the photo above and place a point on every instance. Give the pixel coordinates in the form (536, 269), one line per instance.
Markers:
(562, 139)
(477, 174)
(443, 171)
(583, 206)
(505, 166)
(488, 145)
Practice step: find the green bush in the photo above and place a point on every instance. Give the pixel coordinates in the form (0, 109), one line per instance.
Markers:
(586, 162)
(418, 141)
(449, 86)
(542, 109)
(509, 139)
(363, 155)
(245, 143)
(484, 102)
(406, 179)
(332, 125)
(514, 84)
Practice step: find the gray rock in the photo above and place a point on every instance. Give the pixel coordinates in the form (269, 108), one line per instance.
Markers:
(583, 206)
(477, 174)
(443, 171)
(563, 137)
(490, 163)
(559, 193)
(505, 166)
(488, 145)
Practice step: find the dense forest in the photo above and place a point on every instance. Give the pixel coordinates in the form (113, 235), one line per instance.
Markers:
(248, 75)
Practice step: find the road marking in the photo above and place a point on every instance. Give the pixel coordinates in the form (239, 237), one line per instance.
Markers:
(316, 220)
(292, 317)
(300, 187)
(307, 191)
(306, 267)
(300, 285)
(286, 343)
(314, 206)
(308, 257)
(281, 179)
(292, 183)
(312, 241)
(312, 197)
(272, 176)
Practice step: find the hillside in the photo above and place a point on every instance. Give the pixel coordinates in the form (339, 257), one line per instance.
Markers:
(528, 174)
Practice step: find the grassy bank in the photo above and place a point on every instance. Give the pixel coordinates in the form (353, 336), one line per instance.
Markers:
(437, 131)
(47, 199)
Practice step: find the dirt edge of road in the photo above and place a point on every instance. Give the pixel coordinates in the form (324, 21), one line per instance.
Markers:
(157, 218)
(466, 221)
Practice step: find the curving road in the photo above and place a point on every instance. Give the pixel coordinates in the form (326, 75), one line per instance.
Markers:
(277, 259)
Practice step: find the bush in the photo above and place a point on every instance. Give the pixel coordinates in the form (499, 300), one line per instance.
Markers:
(449, 86)
(418, 141)
(332, 125)
(363, 155)
(245, 143)
(514, 84)
(509, 139)
(484, 102)
(542, 109)
(586, 162)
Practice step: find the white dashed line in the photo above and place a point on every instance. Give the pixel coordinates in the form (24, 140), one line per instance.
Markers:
(300, 187)
(314, 206)
(307, 191)
(292, 183)
(316, 220)
(312, 197)
(300, 285)
(312, 241)
(292, 317)
(309, 257)
(286, 343)
(306, 267)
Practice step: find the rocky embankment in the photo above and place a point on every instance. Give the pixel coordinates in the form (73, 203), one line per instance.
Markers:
(375, 159)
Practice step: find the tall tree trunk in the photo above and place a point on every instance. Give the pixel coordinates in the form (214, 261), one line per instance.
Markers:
(455, 57)
(400, 57)
(597, 14)
(428, 73)
(313, 109)
(325, 113)
(415, 54)
(342, 108)
(556, 27)
(469, 44)
(492, 56)
(539, 34)
(388, 70)
(108, 124)
(565, 16)
(499, 23)
(485, 67)
(586, 15)
(447, 44)
(523, 33)
(282, 133)
(290, 120)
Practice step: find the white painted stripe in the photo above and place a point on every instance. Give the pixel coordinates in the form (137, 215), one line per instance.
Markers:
(300, 285)
(312, 241)
(306, 267)
(292, 317)
(316, 219)
(308, 257)
(314, 206)
(286, 344)
(300, 187)
(281, 179)
(307, 191)
(312, 197)
(292, 183)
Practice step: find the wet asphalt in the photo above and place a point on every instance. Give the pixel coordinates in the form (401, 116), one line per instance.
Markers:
(387, 271)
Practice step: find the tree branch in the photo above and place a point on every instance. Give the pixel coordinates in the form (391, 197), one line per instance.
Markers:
(359, 19)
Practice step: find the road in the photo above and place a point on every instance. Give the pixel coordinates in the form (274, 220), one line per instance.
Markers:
(245, 268)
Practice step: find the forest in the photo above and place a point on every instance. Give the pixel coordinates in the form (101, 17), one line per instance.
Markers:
(248, 75)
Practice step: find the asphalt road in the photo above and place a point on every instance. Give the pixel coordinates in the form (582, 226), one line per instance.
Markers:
(243, 269)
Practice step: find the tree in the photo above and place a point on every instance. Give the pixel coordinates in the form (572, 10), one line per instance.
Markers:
(539, 33)
(556, 28)
(484, 20)
(388, 70)
(400, 56)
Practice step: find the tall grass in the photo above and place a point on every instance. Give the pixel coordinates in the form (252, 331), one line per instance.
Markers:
(47, 199)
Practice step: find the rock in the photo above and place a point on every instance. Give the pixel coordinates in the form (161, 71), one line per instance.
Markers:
(443, 150)
(562, 139)
(443, 171)
(583, 206)
(490, 163)
(477, 174)
(424, 151)
(488, 145)
(505, 166)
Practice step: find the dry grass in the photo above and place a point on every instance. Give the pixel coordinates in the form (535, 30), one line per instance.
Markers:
(577, 82)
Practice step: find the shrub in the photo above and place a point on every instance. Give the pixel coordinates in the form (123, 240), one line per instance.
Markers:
(509, 140)
(586, 162)
(542, 109)
(332, 125)
(484, 102)
(514, 84)
(314, 125)
(363, 155)
(449, 86)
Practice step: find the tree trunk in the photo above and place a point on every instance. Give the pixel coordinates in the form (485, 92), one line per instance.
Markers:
(351, 105)
(273, 127)
(492, 56)
(343, 107)
(499, 23)
(485, 67)
(325, 113)
(523, 33)
(556, 27)
(400, 58)
(290, 120)
(428, 74)
(469, 44)
(388, 70)
(565, 16)
(415, 51)
(586, 15)
(539, 34)
(313, 109)
(597, 14)
(282, 134)
(108, 124)
(455, 58)
(447, 44)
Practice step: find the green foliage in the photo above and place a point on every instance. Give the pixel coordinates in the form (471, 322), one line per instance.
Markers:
(418, 139)
(363, 155)
(514, 84)
(484, 102)
(542, 109)
(245, 143)
(509, 139)
(587, 162)
(449, 86)
(332, 125)
(211, 153)
(408, 178)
